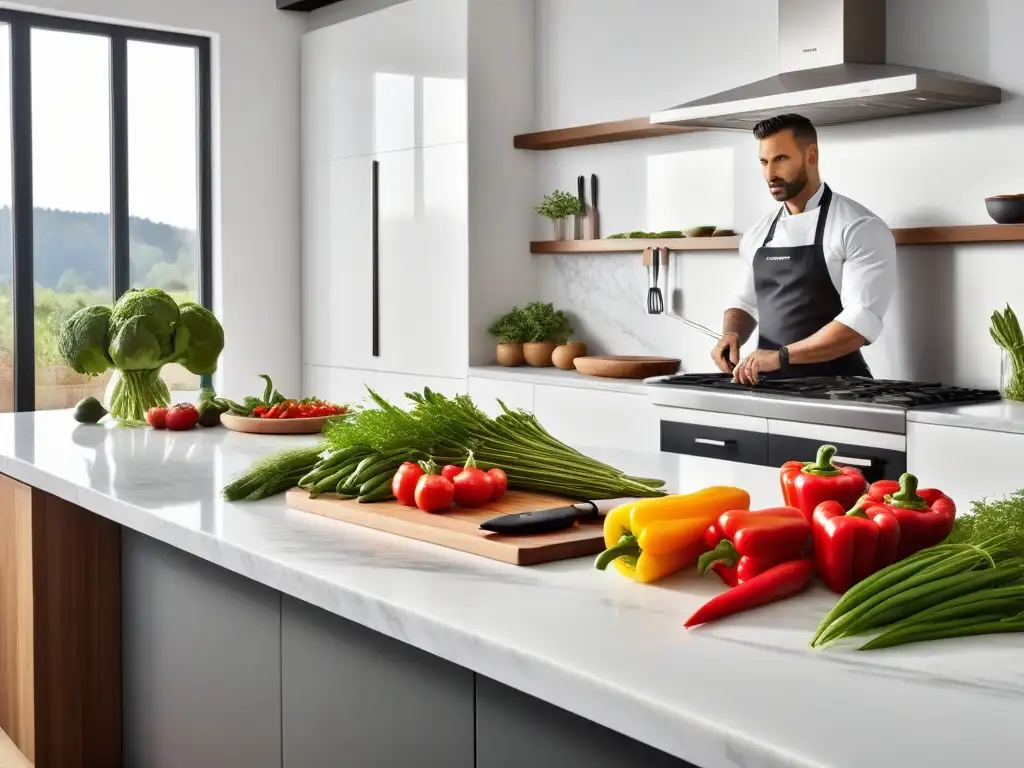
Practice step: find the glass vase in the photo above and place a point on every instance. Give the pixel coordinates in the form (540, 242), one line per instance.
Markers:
(1011, 377)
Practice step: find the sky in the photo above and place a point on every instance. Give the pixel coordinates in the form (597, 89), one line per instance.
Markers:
(71, 126)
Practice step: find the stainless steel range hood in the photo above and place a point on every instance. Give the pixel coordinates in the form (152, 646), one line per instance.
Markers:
(833, 70)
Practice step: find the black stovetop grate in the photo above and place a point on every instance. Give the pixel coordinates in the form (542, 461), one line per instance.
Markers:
(903, 394)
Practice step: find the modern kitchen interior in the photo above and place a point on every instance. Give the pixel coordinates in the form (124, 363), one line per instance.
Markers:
(393, 383)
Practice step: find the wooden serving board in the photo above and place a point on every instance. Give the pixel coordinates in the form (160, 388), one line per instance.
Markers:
(460, 528)
(626, 366)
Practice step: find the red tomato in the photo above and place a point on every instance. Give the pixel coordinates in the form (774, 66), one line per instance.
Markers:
(182, 416)
(473, 487)
(500, 481)
(434, 493)
(450, 472)
(157, 417)
(403, 485)
(273, 413)
(259, 410)
(324, 410)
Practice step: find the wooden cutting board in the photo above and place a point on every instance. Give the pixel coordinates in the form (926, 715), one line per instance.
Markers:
(626, 366)
(460, 528)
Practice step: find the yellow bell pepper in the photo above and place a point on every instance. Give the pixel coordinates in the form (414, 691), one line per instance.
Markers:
(649, 539)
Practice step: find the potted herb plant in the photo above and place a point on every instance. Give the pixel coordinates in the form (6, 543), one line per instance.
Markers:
(511, 331)
(559, 206)
(545, 328)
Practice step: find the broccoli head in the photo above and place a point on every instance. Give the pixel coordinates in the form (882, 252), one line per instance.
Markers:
(84, 338)
(134, 347)
(157, 312)
(199, 339)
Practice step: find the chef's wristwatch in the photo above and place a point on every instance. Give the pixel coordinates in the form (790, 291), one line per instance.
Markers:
(783, 358)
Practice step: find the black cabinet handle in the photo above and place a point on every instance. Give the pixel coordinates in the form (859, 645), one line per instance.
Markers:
(375, 214)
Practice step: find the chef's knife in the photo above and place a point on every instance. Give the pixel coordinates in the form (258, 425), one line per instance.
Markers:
(549, 520)
(595, 217)
(581, 187)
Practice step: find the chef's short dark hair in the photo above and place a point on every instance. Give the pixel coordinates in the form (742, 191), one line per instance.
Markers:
(802, 128)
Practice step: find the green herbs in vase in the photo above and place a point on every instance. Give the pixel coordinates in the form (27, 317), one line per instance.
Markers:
(544, 323)
(1006, 332)
(511, 328)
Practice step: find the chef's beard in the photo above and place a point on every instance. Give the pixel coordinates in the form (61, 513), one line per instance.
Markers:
(789, 189)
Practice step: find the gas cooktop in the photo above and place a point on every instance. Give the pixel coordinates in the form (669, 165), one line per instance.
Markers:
(903, 394)
(844, 401)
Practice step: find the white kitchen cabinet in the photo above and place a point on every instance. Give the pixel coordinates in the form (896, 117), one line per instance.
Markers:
(349, 385)
(386, 81)
(592, 417)
(486, 392)
(967, 464)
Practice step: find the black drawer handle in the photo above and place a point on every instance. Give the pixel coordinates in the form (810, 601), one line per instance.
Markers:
(714, 443)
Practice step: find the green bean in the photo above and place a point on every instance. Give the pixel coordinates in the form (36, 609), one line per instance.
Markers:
(950, 567)
(326, 485)
(909, 602)
(380, 492)
(973, 601)
(988, 624)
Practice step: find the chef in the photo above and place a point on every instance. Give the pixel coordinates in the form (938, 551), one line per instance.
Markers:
(817, 273)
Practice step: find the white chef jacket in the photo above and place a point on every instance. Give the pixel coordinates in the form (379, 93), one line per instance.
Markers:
(860, 253)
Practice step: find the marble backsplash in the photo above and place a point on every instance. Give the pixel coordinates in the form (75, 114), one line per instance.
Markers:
(936, 328)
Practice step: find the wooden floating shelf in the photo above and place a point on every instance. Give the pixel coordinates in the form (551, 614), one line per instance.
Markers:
(977, 233)
(598, 133)
(630, 246)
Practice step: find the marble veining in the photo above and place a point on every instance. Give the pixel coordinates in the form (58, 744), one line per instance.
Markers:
(743, 692)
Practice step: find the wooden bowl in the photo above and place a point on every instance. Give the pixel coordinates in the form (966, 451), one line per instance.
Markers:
(700, 231)
(627, 367)
(256, 426)
(1006, 209)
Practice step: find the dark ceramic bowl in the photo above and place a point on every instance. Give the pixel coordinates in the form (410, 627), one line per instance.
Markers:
(1006, 209)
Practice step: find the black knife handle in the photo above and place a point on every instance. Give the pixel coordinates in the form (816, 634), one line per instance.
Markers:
(581, 183)
(539, 521)
(593, 189)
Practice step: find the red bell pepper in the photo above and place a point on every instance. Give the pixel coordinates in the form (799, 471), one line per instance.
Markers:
(806, 485)
(745, 543)
(782, 581)
(925, 516)
(850, 546)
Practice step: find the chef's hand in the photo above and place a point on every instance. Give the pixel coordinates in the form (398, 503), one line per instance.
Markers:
(728, 343)
(757, 362)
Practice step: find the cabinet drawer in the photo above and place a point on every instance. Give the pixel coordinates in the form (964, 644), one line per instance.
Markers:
(714, 442)
(875, 463)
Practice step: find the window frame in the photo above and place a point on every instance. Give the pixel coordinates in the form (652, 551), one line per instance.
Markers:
(21, 24)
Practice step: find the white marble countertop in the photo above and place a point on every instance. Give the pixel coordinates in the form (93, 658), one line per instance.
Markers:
(558, 378)
(998, 416)
(746, 691)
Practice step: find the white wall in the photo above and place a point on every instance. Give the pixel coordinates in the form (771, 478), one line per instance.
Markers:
(611, 59)
(256, 119)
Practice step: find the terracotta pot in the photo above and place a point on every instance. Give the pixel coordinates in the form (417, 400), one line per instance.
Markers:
(538, 353)
(511, 354)
(564, 355)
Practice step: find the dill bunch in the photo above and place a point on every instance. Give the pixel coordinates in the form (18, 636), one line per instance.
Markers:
(992, 517)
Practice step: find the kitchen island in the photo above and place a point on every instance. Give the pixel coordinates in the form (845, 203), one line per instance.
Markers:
(256, 635)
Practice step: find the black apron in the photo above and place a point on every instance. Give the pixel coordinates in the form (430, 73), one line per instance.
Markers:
(796, 298)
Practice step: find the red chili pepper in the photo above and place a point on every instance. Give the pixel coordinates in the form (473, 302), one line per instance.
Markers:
(291, 412)
(850, 546)
(745, 543)
(273, 413)
(925, 516)
(806, 485)
(259, 410)
(782, 581)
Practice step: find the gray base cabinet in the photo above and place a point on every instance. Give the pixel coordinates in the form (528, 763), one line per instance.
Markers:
(354, 697)
(221, 672)
(201, 662)
(515, 730)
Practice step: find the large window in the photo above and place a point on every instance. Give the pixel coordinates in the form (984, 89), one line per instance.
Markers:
(106, 185)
